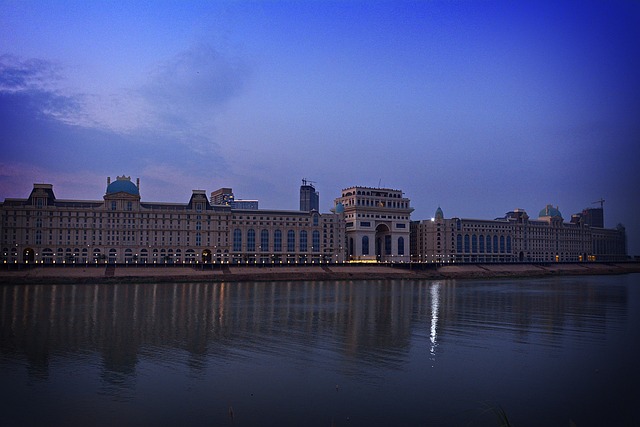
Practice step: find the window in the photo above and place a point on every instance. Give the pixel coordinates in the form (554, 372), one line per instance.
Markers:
(459, 243)
(365, 245)
(291, 241)
(474, 244)
(508, 244)
(481, 244)
(237, 240)
(501, 244)
(251, 240)
(316, 241)
(387, 244)
(303, 241)
(113, 206)
(401, 245)
(129, 206)
(198, 239)
(277, 241)
(365, 224)
(495, 243)
(315, 219)
(264, 240)
(466, 243)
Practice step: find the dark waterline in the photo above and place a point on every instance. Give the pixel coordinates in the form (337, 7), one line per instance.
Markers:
(547, 351)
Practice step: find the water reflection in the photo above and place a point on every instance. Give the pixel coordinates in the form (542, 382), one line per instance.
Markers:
(402, 352)
(371, 322)
(435, 304)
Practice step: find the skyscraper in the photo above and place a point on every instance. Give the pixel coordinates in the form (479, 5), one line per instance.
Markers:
(309, 197)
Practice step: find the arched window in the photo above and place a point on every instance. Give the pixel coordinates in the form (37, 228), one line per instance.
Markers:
(501, 244)
(481, 239)
(459, 243)
(264, 240)
(466, 243)
(400, 245)
(474, 244)
(495, 244)
(291, 241)
(251, 240)
(315, 245)
(365, 245)
(237, 240)
(489, 244)
(508, 244)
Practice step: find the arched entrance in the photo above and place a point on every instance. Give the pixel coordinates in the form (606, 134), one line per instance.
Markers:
(28, 255)
(206, 256)
(383, 242)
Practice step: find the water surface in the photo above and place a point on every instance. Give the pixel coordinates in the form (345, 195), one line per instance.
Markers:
(546, 351)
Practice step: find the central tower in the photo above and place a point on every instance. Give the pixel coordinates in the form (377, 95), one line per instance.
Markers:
(376, 224)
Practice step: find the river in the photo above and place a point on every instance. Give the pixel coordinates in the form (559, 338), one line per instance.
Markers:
(544, 351)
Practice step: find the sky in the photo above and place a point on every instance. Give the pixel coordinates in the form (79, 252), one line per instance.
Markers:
(478, 107)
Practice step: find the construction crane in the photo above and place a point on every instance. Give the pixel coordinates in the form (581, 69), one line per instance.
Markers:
(601, 201)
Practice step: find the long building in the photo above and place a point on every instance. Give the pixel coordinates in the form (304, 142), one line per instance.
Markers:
(366, 225)
(514, 238)
(121, 228)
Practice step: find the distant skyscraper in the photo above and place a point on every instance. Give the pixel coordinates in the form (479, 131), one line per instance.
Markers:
(309, 197)
(594, 217)
(225, 197)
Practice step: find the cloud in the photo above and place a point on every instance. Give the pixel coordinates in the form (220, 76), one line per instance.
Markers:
(197, 79)
(181, 96)
(37, 80)
(18, 75)
(185, 93)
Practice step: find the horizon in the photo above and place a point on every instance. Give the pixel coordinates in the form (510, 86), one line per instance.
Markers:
(474, 107)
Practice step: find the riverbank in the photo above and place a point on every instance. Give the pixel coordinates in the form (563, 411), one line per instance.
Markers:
(227, 273)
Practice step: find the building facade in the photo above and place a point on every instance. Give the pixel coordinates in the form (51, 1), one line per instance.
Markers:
(122, 228)
(366, 225)
(514, 238)
(376, 224)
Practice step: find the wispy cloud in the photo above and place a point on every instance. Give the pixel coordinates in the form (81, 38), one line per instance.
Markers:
(39, 81)
(181, 95)
(185, 94)
(19, 75)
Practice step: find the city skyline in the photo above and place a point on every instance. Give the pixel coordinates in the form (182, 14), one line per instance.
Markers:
(478, 108)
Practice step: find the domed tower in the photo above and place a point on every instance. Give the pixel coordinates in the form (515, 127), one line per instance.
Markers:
(550, 211)
(122, 194)
(439, 214)
(552, 215)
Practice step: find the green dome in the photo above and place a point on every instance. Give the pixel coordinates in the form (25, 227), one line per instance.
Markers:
(123, 185)
(439, 214)
(550, 211)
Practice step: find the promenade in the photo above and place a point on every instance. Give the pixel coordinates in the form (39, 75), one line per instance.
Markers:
(197, 273)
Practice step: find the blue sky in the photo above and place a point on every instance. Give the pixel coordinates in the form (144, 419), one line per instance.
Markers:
(478, 107)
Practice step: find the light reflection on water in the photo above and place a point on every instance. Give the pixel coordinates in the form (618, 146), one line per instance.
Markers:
(320, 353)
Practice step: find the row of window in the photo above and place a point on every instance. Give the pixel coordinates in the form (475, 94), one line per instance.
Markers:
(250, 237)
(482, 244)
